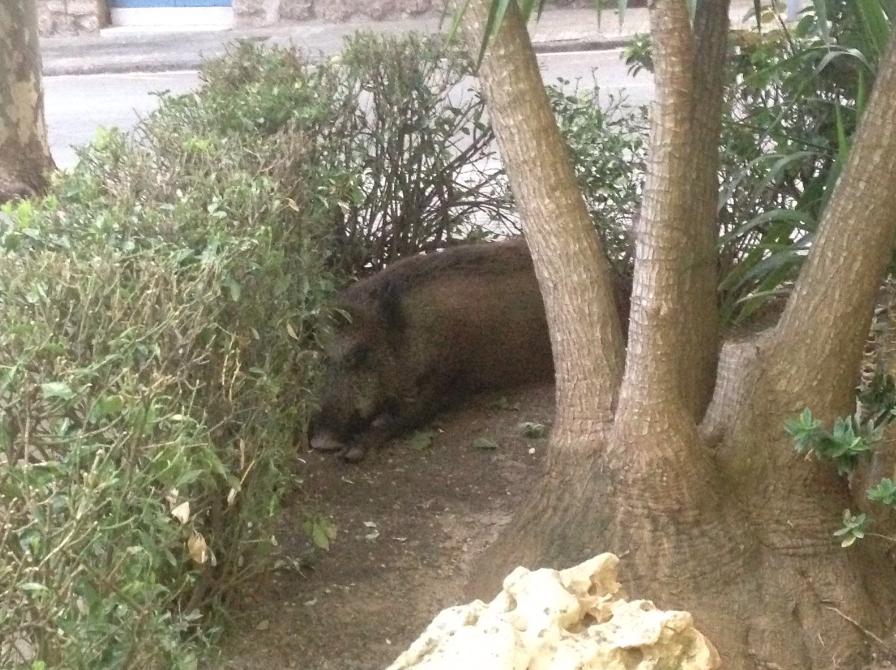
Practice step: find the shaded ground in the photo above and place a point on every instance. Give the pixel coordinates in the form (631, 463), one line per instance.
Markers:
(409, 520)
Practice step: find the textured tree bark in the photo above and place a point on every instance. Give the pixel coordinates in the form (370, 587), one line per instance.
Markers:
(672, 336)
(699, 316)
(838, 286)
(573, 273)
(25, 161)
(722, 519)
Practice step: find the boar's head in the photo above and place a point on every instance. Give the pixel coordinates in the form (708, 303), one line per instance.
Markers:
(361, 365)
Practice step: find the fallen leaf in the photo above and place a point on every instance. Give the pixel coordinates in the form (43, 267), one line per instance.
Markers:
(504, 404)
(199, 551)
(531, 429)
(421, 440)
(484, 443)
(182, 512)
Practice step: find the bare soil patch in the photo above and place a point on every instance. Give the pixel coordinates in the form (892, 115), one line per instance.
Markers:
(409, 521)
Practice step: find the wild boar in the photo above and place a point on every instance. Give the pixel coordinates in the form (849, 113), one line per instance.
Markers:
(424, 333)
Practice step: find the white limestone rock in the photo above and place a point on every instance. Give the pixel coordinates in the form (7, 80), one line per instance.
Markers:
(560, 620)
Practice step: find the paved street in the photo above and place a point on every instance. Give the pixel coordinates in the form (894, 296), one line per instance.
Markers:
(77, 105)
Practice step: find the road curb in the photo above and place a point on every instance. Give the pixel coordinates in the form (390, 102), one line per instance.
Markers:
(568, 46)
(65, 70)
(123, 65)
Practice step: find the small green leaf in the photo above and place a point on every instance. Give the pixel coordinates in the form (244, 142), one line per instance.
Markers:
(484, 443)
(884, 492)
(105, 406)
(320, 538)
(421, 440)
(233, 287)
(57, 390)
(532, 430)
(321, 531)
(504, 404)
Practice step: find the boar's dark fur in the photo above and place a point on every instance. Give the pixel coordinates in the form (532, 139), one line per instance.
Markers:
(424, 333)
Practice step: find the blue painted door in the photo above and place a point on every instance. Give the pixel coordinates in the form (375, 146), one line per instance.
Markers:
(169, 3)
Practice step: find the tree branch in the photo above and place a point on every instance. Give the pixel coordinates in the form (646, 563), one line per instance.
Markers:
(573, 273)
(673, 333)
(700, 314)
(820, 335)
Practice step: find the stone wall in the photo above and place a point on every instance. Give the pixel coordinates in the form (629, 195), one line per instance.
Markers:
(73, 17)
(249, 13)
(70, 17)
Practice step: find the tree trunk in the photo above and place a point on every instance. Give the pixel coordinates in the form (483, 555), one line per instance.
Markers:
(25, 161)
(573, 273)
(722, 519)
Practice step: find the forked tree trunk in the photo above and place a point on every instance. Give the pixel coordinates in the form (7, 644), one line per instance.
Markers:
(723, 520)
(25, 162)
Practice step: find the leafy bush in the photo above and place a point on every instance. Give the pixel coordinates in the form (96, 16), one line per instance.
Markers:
(795, 98)
(159, 320)
(428, 174)
(389, 116)
(787, 138)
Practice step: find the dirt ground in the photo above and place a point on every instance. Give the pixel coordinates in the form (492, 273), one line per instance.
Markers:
(409, 520)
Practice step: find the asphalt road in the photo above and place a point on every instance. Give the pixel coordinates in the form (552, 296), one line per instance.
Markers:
(77, 104)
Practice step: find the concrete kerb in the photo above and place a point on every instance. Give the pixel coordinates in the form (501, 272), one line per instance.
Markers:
(558, 31)
(569, 46)
(126, 63)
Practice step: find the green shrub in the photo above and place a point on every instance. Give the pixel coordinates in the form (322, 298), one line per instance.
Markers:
(428, 173)
(160, 315)
(387, 115)
(794, 98)
(158, 321)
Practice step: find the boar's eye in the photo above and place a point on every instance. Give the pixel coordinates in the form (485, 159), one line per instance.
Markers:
(358, 357)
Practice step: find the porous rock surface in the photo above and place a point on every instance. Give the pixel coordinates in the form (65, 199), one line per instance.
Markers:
(560, 620)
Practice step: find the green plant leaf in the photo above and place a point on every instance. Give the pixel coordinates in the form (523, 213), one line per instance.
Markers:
(484, 443)
(492, 25)
(59, 390)
(821, 19)
(457, 18)
(421, 440)
(884, 492)
(531, 429)
(321, 531)
(876, 26)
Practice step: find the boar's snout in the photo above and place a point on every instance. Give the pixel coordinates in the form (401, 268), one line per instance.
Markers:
(320, 436)
(325, 441)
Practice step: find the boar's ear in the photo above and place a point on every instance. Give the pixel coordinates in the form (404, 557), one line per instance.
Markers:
(390, 306)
